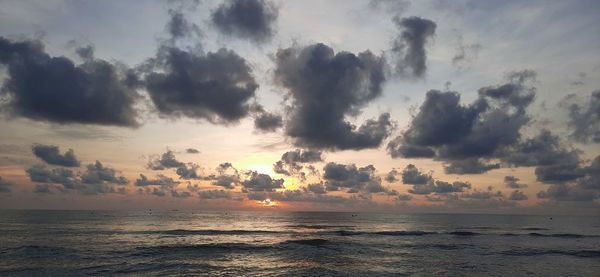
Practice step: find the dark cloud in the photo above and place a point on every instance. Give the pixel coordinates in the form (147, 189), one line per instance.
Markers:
(188, 172)
(97, 173)
(268, 122)
(166, 160)
(161, 181)
(469, 166)
(192, 151)
(555, 162)
(543, 149)
(409, 46)
(425, 184)
(571, 182)
(517, 195)
(180, 194)
(42, 174)
(392, 176)
(483, 194)
(564, 192)
(261, 182)
(316, 188)
(291, 161)
(216, 87)
(228, 176)
(513, 182)
(326, 87)
(214, 194)
(95, 179)
(584, 120)
(42, 189)
(55, 89)
(439, 187)
(412, 176)
(248, 19)
(353, 179)
(179, 27)
(5, 186)
(404, 197)
(51, 155)
(466, 137)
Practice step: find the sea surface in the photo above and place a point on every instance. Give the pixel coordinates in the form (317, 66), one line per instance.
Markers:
(76, 243)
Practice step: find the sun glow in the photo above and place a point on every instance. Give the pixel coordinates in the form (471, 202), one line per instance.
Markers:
(268, 203)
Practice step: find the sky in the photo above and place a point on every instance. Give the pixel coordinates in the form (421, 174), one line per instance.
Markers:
(395, 106)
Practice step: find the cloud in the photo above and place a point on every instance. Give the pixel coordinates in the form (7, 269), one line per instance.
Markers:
(564, 192)
(404, 197)
(580, 183)
(5, 186)
(353, 179)
(97, 173)
(465, 53)
(391, 176)
(55, 89)
(180, 194)
(166, 160)
(268, 122)
(179, 27)
(425, 183)
(291, 161)
(326, 87)
(214, 194)
(396, 7)
(513, 182)
(192, 151)
(409, 46)
(42, 189)
(261, 182)
(468, 166)
(517, 195)
(439, 187)
(161, 181)
(316, 188)
(51, 155)
(584, 120)
(483, 194)
(216, 86)
(188, 172)
(95, 179)
(412, 176)
(248, 19)
(464, 137)
(42, 174)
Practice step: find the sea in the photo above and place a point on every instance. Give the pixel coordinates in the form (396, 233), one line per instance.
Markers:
(179, 243)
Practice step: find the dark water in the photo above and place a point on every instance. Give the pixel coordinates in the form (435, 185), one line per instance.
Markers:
(68, 243)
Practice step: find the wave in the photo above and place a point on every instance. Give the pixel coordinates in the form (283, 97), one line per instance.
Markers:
(311, 242)
(541, 252)
(464, 233)
(185, 232)
(557, 235)
(534, 229)
(316, 226)
(35, 250)
(196, 248)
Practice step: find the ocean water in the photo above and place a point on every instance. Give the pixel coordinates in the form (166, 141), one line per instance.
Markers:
(75, 243)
